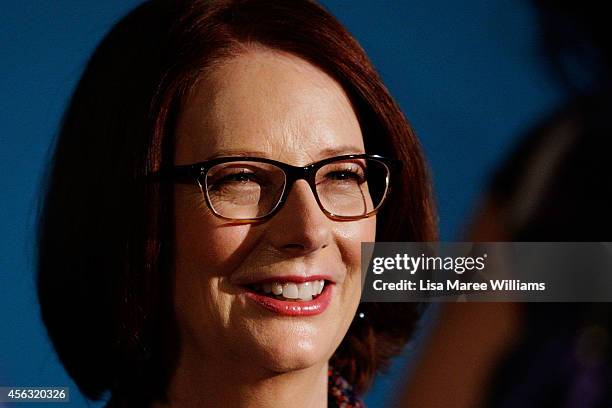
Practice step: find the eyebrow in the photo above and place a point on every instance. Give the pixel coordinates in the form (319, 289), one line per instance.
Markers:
(236, 152)
(324, 153)
(340, 150)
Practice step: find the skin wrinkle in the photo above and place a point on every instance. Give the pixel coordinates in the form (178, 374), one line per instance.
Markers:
(232, 350)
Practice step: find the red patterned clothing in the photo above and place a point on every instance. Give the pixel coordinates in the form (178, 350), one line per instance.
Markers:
(340, 393)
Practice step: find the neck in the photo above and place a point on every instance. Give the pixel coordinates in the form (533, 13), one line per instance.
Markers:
(241, 384)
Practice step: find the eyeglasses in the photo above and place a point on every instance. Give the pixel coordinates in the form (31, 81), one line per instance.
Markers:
(251, 189)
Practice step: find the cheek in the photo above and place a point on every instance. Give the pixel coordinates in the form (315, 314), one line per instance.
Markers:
(205, 254)
(203, 243)
(350, 237)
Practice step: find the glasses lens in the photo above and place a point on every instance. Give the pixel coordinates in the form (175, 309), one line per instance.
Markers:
(244, 189)
(352, 187)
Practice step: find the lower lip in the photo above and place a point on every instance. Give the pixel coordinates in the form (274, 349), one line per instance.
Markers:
(295, 308)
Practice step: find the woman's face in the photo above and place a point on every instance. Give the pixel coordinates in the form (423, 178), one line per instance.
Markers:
(274, 105)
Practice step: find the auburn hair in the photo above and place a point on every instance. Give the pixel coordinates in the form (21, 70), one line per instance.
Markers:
(104, 255)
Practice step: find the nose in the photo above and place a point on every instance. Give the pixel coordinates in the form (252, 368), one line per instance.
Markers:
(300, 227)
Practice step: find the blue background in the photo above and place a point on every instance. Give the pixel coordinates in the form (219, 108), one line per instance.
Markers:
(466, 74)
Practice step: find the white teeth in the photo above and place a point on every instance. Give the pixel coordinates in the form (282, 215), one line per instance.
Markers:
(290, 291)
(305, 291)
(277, 288)
(321, 286)
(315, 287)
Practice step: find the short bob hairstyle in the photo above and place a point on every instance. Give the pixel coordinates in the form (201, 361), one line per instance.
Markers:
(105, 233)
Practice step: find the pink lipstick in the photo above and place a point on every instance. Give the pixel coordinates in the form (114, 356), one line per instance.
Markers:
(294, 308)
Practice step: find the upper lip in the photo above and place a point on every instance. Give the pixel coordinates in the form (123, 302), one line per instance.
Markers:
(289, 278)
(255, 278)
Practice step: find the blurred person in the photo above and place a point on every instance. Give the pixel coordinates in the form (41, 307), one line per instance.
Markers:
(553, 187)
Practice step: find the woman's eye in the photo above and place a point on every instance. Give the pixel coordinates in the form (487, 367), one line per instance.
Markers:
(241, 177)
(341, 175)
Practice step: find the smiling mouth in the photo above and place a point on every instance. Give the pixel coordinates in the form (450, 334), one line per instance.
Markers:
(290, 291)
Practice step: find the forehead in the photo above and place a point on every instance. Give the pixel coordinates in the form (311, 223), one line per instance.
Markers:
(270, 104)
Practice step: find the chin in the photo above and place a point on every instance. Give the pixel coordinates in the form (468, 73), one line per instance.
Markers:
(293, 348)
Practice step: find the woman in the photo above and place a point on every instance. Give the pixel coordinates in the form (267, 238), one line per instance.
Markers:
(216, 171)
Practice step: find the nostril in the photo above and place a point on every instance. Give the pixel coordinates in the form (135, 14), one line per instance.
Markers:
(293, 247)
(298, 247)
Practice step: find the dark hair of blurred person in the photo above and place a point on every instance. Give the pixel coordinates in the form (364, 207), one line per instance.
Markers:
(554, 186)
